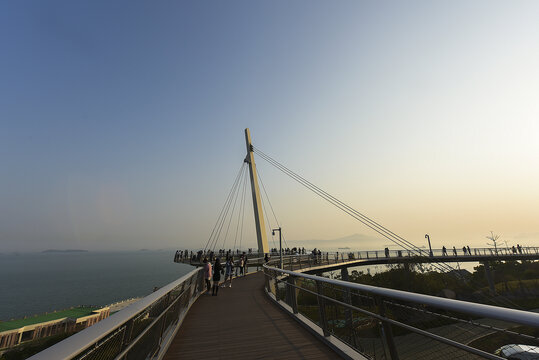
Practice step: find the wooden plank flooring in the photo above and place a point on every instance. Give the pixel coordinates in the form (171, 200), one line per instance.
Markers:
(242, 323)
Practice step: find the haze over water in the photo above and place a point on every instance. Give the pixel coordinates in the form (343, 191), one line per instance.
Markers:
(37, 283)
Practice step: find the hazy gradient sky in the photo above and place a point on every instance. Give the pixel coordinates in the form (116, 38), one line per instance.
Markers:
(122, 122)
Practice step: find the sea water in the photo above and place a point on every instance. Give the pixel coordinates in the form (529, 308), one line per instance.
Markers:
(43, 282)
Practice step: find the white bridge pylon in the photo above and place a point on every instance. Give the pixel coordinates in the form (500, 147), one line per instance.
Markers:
(261, 235)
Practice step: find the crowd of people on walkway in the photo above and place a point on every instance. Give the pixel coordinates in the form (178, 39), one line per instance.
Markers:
(198, 256)
(211, 255)
(467, 251)
(290, 251)
(316, 255)
(214, 269)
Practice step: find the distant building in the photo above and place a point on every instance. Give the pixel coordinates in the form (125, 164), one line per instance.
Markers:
(15, 332)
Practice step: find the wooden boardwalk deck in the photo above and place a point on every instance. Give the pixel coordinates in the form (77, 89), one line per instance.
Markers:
(243, 323)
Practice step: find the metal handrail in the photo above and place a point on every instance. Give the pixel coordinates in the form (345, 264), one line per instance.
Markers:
(79, 342)
(406, 326)
(382, 299)
(469, 308)
(145, 331)
(475, 254)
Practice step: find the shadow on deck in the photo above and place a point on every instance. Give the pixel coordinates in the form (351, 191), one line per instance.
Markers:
(243, 323)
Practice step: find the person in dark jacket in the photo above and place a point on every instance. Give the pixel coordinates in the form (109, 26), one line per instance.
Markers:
(217, 270)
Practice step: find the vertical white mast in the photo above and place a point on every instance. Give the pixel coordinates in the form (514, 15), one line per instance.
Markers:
(257, 205)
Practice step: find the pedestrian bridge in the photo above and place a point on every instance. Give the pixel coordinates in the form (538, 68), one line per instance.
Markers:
(275, 313)
(286, 309)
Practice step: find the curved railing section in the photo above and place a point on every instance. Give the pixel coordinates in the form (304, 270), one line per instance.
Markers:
(377, 323)
(449, 254)
(143, 330)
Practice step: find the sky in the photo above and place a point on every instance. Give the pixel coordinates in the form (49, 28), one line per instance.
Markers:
(121, 123)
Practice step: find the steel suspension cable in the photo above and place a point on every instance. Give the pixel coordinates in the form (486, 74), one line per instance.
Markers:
(271, 207)
(266, 215)
(347, 209)
(243, 212)
(223, 215)
(441, 266)
(224, 207)
(366, 218)
(231, 214)
(240, 212)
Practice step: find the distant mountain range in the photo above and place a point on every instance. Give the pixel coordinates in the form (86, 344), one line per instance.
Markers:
(354, 242)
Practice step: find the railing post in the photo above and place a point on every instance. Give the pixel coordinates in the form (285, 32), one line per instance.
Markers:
(322, 309)
(347, 299)
(161, 331)
(126, 337)
(266, 276)
(291, 294)
(276, 288)
(123, 343)
(200, 281)
(387, 337)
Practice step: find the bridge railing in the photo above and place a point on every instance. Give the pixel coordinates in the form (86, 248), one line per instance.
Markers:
(298, 262)
(501, 251)
(142, 330)
(325, 258)
(383, 323)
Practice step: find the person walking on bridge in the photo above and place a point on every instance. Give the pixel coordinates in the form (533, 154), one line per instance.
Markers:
(207, 274)
(217, 270)
(245, 264)
(241, 264)
(229, 271)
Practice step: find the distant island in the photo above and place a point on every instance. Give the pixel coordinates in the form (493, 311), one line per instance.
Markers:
(63, 251)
